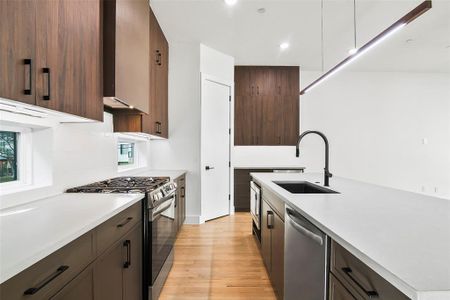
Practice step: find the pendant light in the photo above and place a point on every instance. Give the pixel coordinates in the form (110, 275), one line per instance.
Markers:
(354, 49)
(395, 27)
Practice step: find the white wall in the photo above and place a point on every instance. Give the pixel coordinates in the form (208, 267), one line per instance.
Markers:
(78, 154)
(217, 64)
(376, 123)
(182, 149)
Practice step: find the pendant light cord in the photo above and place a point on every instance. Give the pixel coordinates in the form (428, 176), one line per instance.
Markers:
(322, 36)
(354, 22)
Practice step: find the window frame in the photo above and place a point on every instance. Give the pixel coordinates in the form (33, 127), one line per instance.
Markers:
(140, 146)
(24, 152)
(135, 155)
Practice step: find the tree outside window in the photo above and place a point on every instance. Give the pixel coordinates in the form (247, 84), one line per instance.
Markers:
(8, 156)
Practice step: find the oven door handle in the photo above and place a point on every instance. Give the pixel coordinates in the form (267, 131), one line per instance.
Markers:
(162, 208)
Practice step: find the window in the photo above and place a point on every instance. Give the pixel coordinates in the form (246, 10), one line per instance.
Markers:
(8, 156)
(126, 154)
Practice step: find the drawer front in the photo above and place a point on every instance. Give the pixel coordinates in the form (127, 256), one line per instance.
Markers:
(43, 279)
(338, 291)
(113, 229)
(355, 274)
(276, 203)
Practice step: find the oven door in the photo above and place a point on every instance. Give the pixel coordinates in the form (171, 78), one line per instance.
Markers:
(163, 233)
(255, 203)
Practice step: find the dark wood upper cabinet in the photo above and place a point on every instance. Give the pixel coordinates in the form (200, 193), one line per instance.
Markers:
(159, 75)
(51, 55)
(17, 50)
(69, 51)
(126, 47)
(156, 122)
(266, 105)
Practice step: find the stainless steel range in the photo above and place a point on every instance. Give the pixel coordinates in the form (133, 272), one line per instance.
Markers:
(159, 228)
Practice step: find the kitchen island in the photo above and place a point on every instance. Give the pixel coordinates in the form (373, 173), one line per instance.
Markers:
(402, 236)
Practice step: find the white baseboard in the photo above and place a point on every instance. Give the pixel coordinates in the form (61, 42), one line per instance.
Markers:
(194, 220)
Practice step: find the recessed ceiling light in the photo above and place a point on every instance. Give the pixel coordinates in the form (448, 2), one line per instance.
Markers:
(352, 51)
(261, 10)
(230, 2)
(284, 46)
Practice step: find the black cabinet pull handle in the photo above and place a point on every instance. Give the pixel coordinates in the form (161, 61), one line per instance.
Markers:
(127, 244)
(270, 219)
(28, 87)
(370, 294)
(125, 222)
(34, 290)
(183, 191)
(160, 59)
(158, 127)
(47, 71)
(157, 57)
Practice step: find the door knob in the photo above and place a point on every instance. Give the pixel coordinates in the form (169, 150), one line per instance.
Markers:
(207, 168)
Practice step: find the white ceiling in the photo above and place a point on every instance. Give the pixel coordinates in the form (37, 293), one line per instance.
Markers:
(254, 38)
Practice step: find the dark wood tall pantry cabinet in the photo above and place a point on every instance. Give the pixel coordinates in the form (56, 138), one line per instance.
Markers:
(266, 105)
(51, 55)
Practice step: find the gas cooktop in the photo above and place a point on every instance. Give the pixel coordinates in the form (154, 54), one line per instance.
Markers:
(122, 185)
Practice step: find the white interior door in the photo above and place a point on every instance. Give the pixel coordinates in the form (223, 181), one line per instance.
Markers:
(215, 147)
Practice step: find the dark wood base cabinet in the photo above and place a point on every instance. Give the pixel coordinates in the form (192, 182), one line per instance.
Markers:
(103, 264)
(272, 240)
(180, 215)
(242, 180)
(352, 277)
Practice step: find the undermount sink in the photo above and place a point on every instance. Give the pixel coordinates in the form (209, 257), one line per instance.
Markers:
(303, 187)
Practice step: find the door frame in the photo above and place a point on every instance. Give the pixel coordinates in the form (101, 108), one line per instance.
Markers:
(211, 78)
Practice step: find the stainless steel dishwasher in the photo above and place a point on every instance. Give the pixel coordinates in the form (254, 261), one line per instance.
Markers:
(305, 259)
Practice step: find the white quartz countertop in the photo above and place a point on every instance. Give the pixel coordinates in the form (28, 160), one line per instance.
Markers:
(30, 232)
(403, 236)
(173, 174)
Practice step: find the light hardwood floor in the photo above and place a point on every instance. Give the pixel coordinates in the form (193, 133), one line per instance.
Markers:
(218, 260)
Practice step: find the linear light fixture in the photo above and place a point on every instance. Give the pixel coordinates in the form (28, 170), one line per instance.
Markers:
(402, 22)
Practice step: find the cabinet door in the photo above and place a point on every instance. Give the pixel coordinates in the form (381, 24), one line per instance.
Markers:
(163, 87)
(69, 52)
(243, 121)
(262, 81)
(337, 290)
(277, 274)
(287, 81)
(183, 205)
(159, 72)
(81, 287)
(17, 50)
(266, 239)
(272, 122)
(132, 272)
(242, 81)
(289, 127)
(108, 274)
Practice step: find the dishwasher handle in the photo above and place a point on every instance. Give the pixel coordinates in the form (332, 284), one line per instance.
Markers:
(295, 222)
